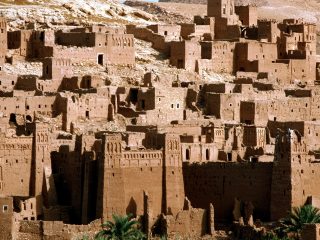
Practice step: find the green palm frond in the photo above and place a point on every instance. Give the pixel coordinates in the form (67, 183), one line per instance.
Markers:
(121, 228)
(298, 217)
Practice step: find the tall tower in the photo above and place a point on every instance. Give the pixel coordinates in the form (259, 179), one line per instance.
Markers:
(221, 8)
(43, 187)
(227, 24)
(287, 182)
(111, 198)
(173, 189)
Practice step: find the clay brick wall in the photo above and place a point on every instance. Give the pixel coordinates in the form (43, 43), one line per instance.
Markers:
(302, 70)
(38, 230)
(78, 39)
(290, 109)
(29, 230)
(294, 168)
(268, 30)
(15, 154)
(76, 54)
(185, 54)
(140, 32)
(44, 105)
(166, 30)
(13, 105)
(99, 28)
(220, 183)
(191, 223)
(223, 31)
(254, 112)
(248, 15)
(24, 83)
(146, 99)
(159, 42)
(87, 106)
(22, 41)
(279, 70)
(254, 137)
(174, 185)
(125, 191)
(187, 30)
(171, 103)
(254, 51)
(3, 40)
(120, 49)
(221, 9)
(6, 216)
(194, 150)
(30, 43)
(56, 68)
(223, 106)
(7, 82)
(26, 209)
(221, 55)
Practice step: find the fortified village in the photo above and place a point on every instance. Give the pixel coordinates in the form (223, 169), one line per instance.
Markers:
(190, 156)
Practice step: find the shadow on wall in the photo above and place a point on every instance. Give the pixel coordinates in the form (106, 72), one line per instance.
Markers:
(132, 207)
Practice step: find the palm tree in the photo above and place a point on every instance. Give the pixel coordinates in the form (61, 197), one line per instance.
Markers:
(122, 228)
(292, 225)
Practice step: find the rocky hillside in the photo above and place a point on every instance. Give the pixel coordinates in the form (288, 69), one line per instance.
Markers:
(276, 9)
(55, 13)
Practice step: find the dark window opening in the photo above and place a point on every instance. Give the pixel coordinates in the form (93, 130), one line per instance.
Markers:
(42, 36)
(100, 59)
(13, 118)
(87, 114)
(29, 118)
(229, 157)
(207, 154)
(187, 154)
(143, 104)
(5, 208)
(180, 64)
(224, 10)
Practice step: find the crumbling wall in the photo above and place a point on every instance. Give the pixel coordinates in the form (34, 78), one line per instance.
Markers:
(192, 223)
(55, 230)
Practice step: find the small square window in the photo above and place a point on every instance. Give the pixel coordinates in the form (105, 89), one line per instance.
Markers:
(5, 208)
